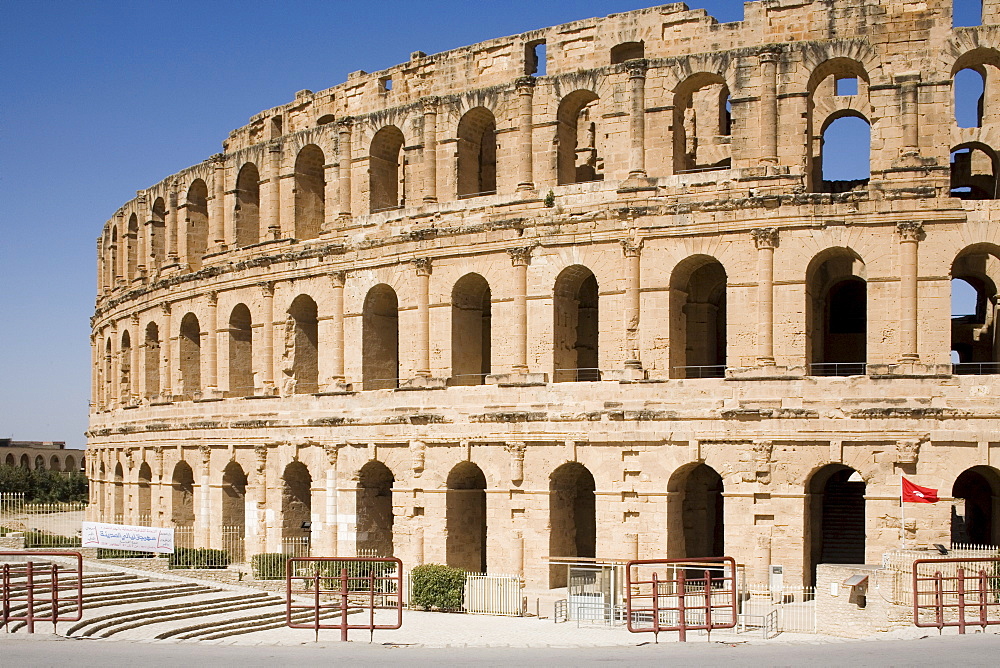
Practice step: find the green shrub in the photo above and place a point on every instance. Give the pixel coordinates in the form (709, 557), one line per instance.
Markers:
(109, 553)
(437, 586)
(550, 199)
(36, 539)
(269, 565)
(198, 557)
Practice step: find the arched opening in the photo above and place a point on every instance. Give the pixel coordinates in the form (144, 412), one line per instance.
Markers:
(698, 318)
(25, 462)
(374, 510)
(696, 526)
(835, 512)
(190, 356)
(247, 213)
(234, 492)
(118, 493)
(240, 352)
(844, 163)
(151, 361)
(144, 505)
(385, 173)
(69, 465)
(477, 153)
(39, 463)
(576, 326)
(970, 91)
(977, 501)
(114, 270)
(54, 463)
(974, 172)
(182, 495)
(572, 517)
(579, 155)
(836, 314)
(380, 339)
(310, 192)
(11, 460)
(296, 509)
(132, 247)
(702, 124)
(197, 223)
(974, 309)
(303, 334)
(471, 330)
(158, 233)
(125, 368)
(465, 543)
(627, 51)
(108, 373)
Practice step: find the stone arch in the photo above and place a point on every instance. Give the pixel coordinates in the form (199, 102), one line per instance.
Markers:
(196, 228)
(974, 335)
(465, 518)
(374, 510)
(296, 502)
(380, 339)
(247, 211)
(158, 233)
(477, 153)
(11, 460)
(984, 60)
(698, 318)
(579, 153)
(151, 361)
(107, 386)
(132, 247)
(68, 465)
(182, 495)
(834, 518)
(471, 330)
(976, 508)
(39, 463)
(695, 513)
(190, 356)
(54, 463)
(572, 517)
(302, 344)
(144, 500)
(974, 171)
(118, 498)
(385, 170)
(831, 151)
(701, 117)
(125, 367)
(234, 492)
(310, 192)
(627, 51)
(836, 313)
(25, 462)
(241, 382)
(114, 269)
(576, 326)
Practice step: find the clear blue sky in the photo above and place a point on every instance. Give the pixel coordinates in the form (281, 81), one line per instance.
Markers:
(100, 99)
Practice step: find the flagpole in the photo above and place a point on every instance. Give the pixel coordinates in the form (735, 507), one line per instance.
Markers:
(902, 515)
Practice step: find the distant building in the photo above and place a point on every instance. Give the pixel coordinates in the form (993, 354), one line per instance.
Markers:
(48, 455)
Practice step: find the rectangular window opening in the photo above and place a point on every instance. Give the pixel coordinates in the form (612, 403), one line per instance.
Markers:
(966, 13)
(846, 86)
(534, 58)
(385, 83)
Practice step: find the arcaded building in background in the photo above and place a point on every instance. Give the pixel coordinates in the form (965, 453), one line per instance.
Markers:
(587, 291)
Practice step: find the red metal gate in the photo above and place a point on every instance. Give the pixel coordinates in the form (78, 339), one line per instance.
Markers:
(338, 587)
(40, 591)
(956, 592)
(689, 595)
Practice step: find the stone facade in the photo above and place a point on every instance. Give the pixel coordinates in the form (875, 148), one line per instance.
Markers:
(47, 455)
(464, 311)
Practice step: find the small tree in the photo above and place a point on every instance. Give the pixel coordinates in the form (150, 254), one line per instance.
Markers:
(437, 587)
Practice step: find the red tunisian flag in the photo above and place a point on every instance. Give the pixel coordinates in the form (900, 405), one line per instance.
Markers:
(917, 494)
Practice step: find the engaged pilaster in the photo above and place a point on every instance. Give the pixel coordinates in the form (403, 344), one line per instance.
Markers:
(344, 159)
(632, 249)
(637, 117)
(909, 236)
(519, 258)
(766, 240)
(769, 107)
(423, 267)
(429, 141)
(525, 91)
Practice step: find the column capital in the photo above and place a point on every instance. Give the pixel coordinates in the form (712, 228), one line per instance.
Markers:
(213, 297)
(637, 68)
(344, 124)
(525, 85)
(140, 197)
(910, 231)
(165, 308)
(521, 255)
(267, 287)
(332, 451)
(769, 55)
(134, 319)
(206, 453)
(422, 265)
(337, 278)
(631, 247)
(765, 237)
(429, 104)
(274, 147)
(260, 451)
(218, 159)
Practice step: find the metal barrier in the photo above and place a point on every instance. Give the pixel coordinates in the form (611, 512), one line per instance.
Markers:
(677, 601)
(955, 596)
(37, 586)
(344, 591)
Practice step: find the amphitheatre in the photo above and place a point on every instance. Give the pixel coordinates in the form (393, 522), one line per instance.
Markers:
(581, 293)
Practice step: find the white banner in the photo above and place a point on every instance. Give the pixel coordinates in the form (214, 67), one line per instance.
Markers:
(126, 537)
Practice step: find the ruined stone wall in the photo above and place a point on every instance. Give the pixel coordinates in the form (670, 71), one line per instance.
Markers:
(714, 243)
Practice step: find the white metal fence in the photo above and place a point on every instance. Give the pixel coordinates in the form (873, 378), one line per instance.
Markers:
(898, 565)
(54, 524)
(484, 594)
(792, 609)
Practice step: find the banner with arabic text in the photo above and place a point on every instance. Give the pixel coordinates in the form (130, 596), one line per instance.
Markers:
(126, 537)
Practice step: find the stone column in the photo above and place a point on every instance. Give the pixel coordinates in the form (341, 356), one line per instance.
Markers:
(102, 270)
(157, 508)
(423, 267)
(337, 279)
(142, 240)
(637, 117)
(166, 356)
(95, 375)
(267, 334)
(203, 502)
(344, 158)
(217, 221)
(632, 249)
(115, 380)
(430, 148)
(909, 235)
(331, 527)
(766, 239)
(272, 195)
(769, 107)
(256, 522)
(172, 232)
(211, 347)
(520, 257)
(133, 377)
(525, 173)
(908, 110)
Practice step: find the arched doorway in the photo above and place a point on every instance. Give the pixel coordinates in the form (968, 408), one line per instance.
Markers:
(234, 492)
(374, 510)
(465, 543)
(240, 352)
(303, 329)
(296, 509)
(696, 520)
(182, 496)
(471, 330)
(576, 326)
(698, 318)
(837, 314)
(835, 515)
(119, 495)
(477, 153)
(380, 339)
(977, 496)
(572, 517)
(145, 500)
